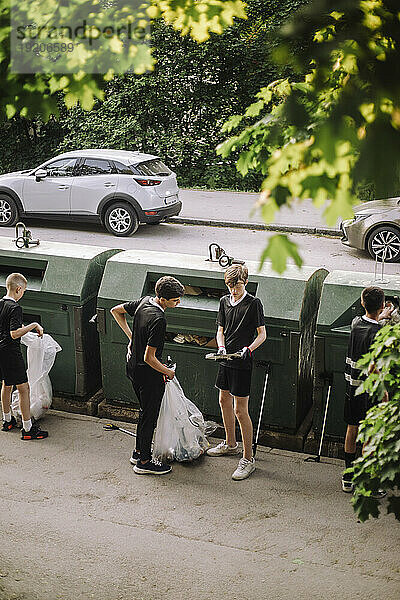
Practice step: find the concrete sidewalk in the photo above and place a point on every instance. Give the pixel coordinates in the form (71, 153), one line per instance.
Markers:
(77, 523)
(233, 209)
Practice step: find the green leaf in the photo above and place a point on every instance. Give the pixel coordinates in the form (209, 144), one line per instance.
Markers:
(231, 123)
(10, 110)
(254, 109)
(278, 250)
(268, 209)
(244, 162)
(340, 207)
(200, 18)
(71, 100)
(226, 147)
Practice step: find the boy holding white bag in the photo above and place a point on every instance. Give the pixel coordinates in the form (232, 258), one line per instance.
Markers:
(12, 366)
(144, 366)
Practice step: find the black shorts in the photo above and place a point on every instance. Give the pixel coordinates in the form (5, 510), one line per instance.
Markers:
(236, 381)
(12, 367)
(355, 408)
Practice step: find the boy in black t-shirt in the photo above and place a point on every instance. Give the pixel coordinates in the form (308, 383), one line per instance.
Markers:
(144, 367)
(12, 366)
(241, 327)
(363, 331)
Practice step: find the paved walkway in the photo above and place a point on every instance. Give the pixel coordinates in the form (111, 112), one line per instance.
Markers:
(77, 523)
(237, 209)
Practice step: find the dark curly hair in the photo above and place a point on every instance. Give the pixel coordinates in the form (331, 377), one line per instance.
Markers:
(168, 287)
(373, 298)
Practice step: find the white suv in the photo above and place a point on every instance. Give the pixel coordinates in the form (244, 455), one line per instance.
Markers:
(118, 188)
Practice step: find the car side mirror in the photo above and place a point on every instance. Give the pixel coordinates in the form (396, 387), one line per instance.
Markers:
(40, 174)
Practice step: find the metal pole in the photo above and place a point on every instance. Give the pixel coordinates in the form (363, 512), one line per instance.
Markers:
(324, 423)
(261, 408)
(383, 264)
(318, 457)
(376, 279)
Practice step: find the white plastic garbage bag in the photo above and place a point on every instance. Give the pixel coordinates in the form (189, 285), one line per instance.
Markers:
(181, 429)
(41, 355)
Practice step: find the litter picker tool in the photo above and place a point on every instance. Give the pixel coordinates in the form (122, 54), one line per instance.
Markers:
(111, 427)
(318, 457)
(262, 363)
(219, 357)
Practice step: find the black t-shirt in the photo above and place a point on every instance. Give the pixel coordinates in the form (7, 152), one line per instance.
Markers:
(240, 324)
(149, 326)
(362, 335)
(10, 320)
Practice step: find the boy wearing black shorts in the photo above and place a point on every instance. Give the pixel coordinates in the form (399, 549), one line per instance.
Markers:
(363, 331)
(12, 366)
(241, 327)
(144, 366)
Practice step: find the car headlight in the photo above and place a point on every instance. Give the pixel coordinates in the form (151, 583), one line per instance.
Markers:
(358, 218)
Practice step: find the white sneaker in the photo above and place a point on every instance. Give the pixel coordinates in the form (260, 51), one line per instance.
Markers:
(347, 486)
(244, 469)
(223, 450)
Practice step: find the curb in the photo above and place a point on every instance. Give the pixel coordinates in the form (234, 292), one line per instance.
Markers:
(256, 226)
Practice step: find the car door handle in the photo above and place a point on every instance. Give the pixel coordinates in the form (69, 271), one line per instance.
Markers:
(109, 184)
(63, 187)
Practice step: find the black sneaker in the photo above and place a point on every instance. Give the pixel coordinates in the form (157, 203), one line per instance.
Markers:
(134, 458)
(35, 433)
(152, 467)
(8, 425)
(379, 494)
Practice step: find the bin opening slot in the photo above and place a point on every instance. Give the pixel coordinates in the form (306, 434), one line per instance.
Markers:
(28, 318)
(34, 271)
(190, 339)
(346, 318)
(197, 287)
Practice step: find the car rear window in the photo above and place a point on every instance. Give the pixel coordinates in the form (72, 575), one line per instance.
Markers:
(155, 166)
(124, 169)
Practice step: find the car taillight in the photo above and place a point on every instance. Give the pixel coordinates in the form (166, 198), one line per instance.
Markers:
(148, 181)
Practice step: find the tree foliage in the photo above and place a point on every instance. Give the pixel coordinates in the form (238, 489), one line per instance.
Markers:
(31, 87)
(338, 126)
(380, 431)
(177, 110)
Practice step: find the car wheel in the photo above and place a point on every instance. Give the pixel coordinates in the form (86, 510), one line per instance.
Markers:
(121, 219)
(384, 243)
(8, 211)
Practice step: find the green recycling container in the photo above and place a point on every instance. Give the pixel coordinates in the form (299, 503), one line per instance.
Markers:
(290, 305)
(340, 303)
(63, 282)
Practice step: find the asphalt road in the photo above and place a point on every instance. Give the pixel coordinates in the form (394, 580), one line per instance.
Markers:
(188, 239)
